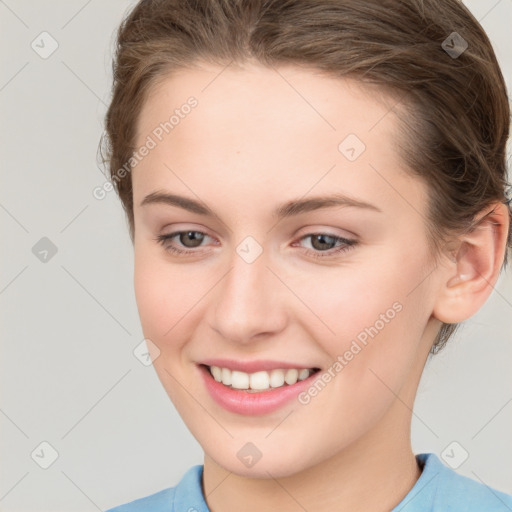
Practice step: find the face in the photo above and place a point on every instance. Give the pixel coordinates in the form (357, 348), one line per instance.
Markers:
(251, 271)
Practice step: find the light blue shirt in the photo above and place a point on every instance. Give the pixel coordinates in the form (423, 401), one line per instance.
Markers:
(439, 489)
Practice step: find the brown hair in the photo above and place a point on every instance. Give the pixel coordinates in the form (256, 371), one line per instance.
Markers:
(455, 132)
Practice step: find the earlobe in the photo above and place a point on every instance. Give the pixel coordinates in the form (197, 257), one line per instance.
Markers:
(472, 273)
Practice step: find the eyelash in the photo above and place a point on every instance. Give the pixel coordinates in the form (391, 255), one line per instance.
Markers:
(347, 244)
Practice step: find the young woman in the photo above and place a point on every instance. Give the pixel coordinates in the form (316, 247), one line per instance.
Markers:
(316, 193)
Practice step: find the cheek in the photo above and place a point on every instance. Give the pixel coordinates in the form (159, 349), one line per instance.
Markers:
(170, 298)
(160, 294)
(375, 346)
(372, 319)
(349, 300)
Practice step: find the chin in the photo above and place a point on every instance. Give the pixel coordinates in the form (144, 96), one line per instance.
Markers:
(272, 461)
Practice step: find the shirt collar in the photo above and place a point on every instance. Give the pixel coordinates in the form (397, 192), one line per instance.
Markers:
(189, 495)
(422, 495)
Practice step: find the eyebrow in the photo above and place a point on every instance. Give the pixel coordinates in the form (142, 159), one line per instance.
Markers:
(288, 209)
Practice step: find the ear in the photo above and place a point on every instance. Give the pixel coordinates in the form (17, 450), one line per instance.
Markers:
(473, 270)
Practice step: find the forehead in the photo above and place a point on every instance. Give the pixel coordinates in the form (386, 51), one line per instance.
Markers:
(256, 97)
(286, 127)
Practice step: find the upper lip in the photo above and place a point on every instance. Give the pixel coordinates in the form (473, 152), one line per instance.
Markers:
(253, 366)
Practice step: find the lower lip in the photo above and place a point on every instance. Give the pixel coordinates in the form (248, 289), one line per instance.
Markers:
(252, 404)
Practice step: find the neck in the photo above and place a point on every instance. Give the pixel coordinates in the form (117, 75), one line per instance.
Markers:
(375, 473)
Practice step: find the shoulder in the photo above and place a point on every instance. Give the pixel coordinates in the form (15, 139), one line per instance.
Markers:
(441, 489)
(170, 499)
(158, 502)
(458, 492)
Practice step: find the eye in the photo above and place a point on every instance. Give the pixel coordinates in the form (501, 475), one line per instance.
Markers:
(189, 239)
(324, 244)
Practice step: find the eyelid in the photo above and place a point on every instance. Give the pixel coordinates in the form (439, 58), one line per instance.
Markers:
(307, 231)
(322, 230)
(172, 234)
(347, 244)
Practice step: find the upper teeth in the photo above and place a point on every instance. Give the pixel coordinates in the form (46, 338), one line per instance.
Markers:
(258, 380)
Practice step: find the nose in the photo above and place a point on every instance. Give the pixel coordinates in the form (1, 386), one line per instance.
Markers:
(249, 302)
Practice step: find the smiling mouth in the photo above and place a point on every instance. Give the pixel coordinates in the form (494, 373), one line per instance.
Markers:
(259, 381)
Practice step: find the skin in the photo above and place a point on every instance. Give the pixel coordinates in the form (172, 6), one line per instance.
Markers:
(252, 143)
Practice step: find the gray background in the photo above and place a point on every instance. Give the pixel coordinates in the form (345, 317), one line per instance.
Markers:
(68, 373)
